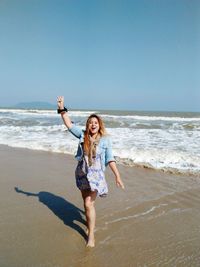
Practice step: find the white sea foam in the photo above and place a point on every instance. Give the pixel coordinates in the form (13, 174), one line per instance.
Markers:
(170, 144)
(138, 215)
(150, 118)
(32, 112)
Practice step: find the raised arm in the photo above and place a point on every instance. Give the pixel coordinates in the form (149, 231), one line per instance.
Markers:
(64, 114)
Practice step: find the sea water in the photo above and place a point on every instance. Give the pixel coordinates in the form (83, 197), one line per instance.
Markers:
(168, 141)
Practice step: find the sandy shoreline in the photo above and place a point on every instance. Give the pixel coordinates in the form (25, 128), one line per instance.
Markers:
(154, 222)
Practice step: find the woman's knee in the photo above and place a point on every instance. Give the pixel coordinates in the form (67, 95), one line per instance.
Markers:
(88, 203)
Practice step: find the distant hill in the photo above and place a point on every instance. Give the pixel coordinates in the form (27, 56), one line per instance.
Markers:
(35, 105)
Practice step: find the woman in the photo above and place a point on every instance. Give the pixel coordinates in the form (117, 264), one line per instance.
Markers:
(94, 154)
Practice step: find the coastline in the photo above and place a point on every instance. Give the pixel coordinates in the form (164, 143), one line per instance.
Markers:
(153, 221)
(159, 140)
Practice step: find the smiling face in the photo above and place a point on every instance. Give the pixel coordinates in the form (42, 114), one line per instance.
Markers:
(93, 126)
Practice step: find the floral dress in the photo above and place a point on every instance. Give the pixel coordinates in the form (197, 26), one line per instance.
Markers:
(91, 177)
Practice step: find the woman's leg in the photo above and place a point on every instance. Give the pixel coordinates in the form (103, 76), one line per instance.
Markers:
(89, 200)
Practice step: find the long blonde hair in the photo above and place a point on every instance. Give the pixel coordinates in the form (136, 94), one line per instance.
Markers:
(101, 132)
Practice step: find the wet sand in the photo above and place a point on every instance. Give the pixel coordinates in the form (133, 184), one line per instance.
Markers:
(154, 222)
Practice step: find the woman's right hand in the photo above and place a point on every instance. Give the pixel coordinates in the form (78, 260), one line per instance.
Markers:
(60, 102)
(64, 115)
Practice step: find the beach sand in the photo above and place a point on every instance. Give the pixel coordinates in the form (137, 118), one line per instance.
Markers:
(153, 222)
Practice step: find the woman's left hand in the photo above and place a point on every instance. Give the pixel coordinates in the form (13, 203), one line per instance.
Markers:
(119, 182)
(114, 169)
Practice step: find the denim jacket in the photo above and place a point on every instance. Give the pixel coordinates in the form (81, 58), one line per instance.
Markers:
(105, 146)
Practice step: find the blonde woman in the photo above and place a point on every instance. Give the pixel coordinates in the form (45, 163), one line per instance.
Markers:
(94, 154)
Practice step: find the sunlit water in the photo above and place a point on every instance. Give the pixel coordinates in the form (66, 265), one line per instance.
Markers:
(160, 140)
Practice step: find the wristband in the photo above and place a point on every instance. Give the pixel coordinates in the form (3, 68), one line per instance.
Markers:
(61, 110)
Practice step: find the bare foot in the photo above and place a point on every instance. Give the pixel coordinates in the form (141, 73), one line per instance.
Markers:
(91, 241)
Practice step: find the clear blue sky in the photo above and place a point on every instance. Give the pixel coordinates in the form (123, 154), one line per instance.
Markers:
(102, 54)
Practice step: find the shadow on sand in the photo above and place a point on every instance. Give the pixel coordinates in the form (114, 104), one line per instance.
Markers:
(63, 209)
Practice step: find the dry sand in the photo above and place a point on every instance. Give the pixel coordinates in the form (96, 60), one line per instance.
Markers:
(154, 222)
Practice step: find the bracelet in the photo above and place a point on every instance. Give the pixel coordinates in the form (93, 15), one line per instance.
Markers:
(61, 110)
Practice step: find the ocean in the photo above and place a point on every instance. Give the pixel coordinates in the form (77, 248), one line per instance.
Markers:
(168, 141)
